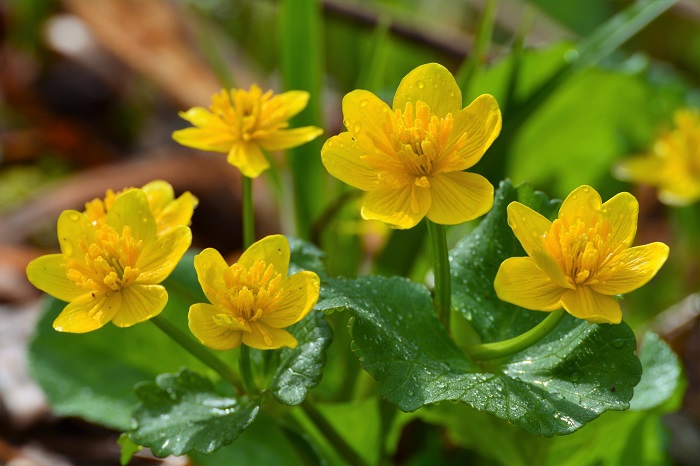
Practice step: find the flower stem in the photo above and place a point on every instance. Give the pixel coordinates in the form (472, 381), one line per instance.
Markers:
(198, 351)
(248, 213)
(505, 348)
(441, 270)
(246, 367)
(325, 428)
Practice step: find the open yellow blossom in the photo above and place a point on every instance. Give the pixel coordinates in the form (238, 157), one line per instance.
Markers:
(579, 261)
(410, 160)
(110, 270)
(240, 123)
(167, 211)
(252, 301)
(673, 166)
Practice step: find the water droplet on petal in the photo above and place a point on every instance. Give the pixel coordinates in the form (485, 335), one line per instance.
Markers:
(74, 216)
(420, 84)
(357, 127)
(364, 103)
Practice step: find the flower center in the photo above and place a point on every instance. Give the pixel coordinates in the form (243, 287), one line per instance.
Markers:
(583, 252)
(250, 294)
(109, 262)
(249, 114)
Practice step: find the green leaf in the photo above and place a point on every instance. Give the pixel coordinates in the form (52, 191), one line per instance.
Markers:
(552, 388)
(129, 449)
(182, 412)
(305, 256)
(661, 375)
(92, 375)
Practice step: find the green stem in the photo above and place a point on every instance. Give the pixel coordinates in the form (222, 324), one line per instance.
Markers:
(246, 367)
(248, 213)
(505, 348)
(441, 270)
(198, 351)
(329, 432)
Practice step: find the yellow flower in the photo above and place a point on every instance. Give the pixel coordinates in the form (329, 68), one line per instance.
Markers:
(254, 300)
(579, 261)
(673, 166)
(111, 270)
(167, 211)
(242, 122)
(410, 160)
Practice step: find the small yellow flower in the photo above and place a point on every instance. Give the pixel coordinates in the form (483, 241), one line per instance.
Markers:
(167, 211)
(673, 166)
(110, 270)
(254, 300)
(579, 261)
(242, 122)
(410, 160)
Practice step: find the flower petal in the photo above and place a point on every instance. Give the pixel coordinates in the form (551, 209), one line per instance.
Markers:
(210, 139)
(210, 267)
(433, 84)
(286, 105)
(273, 249)
(248, 158)
(287, 138)
(75, 231)
(634, 267)
(47, 274)
(130, 209)
(342, 157)
(88, 313)
(529, 227)
(159, 194)
(159, 257)
(585, 303)
(300, 296)
(584, 202)
(621, 211)
(643, 169)
(401, 207)
(519, 281)
(178, 212)
(263, 337)
(203, 118)
(459, 197)
(208, 332)
(369, 121)
(140, 303)
(481, 122)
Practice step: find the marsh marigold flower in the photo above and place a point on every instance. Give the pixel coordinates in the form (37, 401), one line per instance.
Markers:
(239, 123)
(580, 261)
(110, 270)
(673, 165)
(167, 211)
(253, 300)
(410, 160)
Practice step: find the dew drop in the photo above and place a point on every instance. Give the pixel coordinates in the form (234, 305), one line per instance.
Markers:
(74, 216)
(357, 127)
(618, 344)
(420, 84)
(364, 103)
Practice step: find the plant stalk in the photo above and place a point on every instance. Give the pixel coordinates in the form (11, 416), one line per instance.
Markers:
(329, 432)
(248, 213)
(441, 270)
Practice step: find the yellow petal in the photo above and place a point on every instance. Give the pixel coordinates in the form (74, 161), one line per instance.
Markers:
(621, 212)
(273, 249)
(300, 296)
(642, 169)
(140, 303)
(158, 258)
(519, 281)
(481, 122)
(369, 121)
(529, 227)
(584, 303)
(203, 118)
(288, 138)
(208, 332)
(287, 105)
(46, 273)
(130, 209)
(263, 337)
(401, 207)
(342, 157)
(584, 202)
(210, 267)
(88, 313)
(215, 140)
(636, 266)
(74, 228)
(459, 197)
(159, 194)
(433, 84)
(248, 158)
(178, 212)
